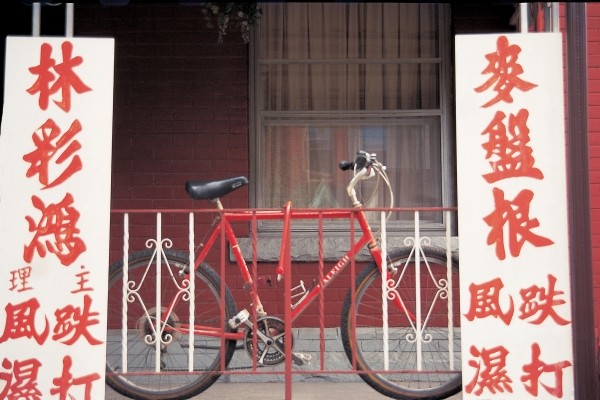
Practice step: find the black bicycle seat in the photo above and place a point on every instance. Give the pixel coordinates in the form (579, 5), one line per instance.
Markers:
(210, 190)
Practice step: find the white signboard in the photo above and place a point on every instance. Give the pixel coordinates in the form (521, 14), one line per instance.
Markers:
(55, 149)
(515, 287)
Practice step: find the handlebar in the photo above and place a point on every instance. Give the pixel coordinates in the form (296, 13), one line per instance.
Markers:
(363, 160)
(364, 166)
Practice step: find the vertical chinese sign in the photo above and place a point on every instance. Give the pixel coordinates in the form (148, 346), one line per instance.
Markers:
(515, 287)
(55, 153)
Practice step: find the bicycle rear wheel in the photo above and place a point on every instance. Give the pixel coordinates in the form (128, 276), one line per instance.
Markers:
(420, 366)
(176, 368)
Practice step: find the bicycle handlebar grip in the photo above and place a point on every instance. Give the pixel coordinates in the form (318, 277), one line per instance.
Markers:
(346, 165)
(363, 159)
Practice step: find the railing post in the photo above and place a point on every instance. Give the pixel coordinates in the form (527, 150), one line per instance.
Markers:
(418, 323)
(223, 249)
(384, 292)
(157, 343)
(449, 286)
(254, 228)
(353, 333)
(192, 287)
(321, 295)
(287, 259)
(124, 292)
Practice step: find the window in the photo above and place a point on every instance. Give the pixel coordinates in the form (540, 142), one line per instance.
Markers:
(334, 78)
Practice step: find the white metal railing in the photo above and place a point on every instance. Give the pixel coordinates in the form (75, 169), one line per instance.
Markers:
(159, 338)
(389, 289)
(130, 292)
(384, 293)
(192, 292)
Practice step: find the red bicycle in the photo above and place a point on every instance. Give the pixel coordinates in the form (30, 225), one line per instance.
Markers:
(181, 325)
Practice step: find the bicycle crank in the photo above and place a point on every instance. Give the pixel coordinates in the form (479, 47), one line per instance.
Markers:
(270, 342)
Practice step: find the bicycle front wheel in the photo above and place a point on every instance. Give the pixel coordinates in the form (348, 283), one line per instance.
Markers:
(150, 353)
(421, 356)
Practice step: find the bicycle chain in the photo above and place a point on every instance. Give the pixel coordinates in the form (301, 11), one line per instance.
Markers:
(248, 367)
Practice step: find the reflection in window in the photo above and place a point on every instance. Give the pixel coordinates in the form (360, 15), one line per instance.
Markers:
(334, 78)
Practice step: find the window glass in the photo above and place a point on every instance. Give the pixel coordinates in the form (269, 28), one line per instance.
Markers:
(334, 78)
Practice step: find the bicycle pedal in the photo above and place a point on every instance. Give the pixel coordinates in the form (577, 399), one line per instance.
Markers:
(239, 319)
(301, 358)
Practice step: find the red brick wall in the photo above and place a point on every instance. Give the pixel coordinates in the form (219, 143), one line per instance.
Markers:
(180, 103)
(593, 54)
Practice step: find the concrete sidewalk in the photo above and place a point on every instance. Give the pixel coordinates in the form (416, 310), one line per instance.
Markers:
(276, 391)
(320, 386)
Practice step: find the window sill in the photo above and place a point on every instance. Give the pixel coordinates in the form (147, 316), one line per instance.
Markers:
(305, 249)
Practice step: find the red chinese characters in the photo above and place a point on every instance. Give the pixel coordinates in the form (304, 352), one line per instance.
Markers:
(18, 379)
(509, 154)
(20, 322)
(82, 281)
(537, 304)
(505, 72)
(512, 217)
(512, 230)
(20, 279)
(64, 383)
(540, 303)
(491, 374)
(53, 149)
(508, 148)
(73, 323)
(54, 78)
(55, 232)
(485, 302)
(54, 159)
(534, 371)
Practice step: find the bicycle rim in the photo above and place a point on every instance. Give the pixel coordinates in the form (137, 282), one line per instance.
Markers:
(178, 367)
(421, 366)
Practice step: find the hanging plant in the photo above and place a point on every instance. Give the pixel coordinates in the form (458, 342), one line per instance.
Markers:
(232, 16)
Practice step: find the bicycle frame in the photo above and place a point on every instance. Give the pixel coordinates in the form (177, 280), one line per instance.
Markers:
(286, 214)
(226, 218)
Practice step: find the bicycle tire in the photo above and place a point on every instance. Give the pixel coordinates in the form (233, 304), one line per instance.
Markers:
(174, 380)
(404, 380)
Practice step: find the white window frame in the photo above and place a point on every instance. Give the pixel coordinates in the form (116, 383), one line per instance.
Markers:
(445, 113)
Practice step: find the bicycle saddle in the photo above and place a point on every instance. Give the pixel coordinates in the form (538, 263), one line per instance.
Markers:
(210, 190)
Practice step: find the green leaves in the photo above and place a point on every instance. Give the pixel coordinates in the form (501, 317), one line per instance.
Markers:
(232, 16)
